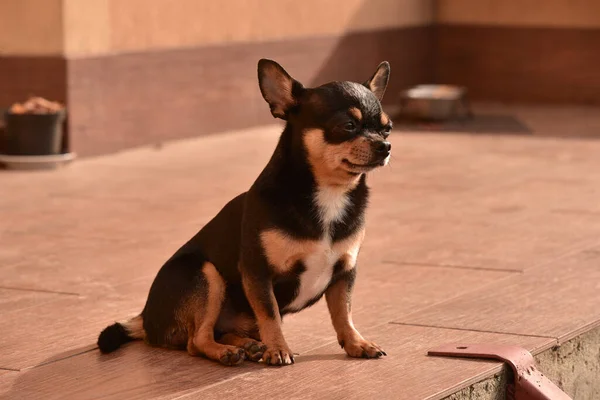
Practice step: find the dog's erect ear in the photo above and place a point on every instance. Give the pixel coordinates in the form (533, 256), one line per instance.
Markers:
(379, 80)
(278, 88)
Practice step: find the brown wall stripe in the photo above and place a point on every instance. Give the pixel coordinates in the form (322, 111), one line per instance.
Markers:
(520, 64)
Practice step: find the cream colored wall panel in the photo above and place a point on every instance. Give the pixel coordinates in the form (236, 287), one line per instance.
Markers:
(80, 28)
(156, 24)
(548, 13)
(31, 27)
(86, 27)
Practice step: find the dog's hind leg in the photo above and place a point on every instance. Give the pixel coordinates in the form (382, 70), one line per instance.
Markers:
(201, 339)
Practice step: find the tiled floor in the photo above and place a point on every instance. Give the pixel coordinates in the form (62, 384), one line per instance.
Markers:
(470, 238)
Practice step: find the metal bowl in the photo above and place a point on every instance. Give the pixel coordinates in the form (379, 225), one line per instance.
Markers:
(433, 102)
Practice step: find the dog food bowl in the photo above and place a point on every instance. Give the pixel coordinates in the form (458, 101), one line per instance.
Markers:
(434, 102)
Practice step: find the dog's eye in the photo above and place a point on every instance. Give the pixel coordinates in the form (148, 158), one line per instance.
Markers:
(349, 126)
(386, 131)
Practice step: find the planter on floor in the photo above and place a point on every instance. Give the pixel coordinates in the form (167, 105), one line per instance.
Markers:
(33, 135)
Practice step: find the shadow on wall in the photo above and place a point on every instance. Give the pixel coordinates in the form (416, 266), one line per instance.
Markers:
(355, 56)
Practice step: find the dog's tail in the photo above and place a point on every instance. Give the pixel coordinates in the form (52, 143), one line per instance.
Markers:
(119, 333)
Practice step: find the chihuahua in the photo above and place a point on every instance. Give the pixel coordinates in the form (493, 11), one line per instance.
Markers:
(276, 249)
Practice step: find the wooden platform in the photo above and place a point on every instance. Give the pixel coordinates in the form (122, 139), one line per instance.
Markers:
(488, 239)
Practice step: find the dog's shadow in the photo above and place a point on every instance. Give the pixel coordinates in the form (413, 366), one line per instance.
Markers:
(321, 357)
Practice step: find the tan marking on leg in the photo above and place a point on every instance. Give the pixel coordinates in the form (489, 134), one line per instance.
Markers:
(356, 113)
(202, 339)
(270, 328)
(278, 351)
(350, 247)
(338, 301)
(254, 349)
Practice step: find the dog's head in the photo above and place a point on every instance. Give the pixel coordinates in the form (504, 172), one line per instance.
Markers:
(343, 128)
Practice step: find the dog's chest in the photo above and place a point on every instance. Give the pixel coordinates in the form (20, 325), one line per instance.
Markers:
(318, 271)
(318, 257)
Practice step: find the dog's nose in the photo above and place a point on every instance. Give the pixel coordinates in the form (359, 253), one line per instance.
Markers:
(382, 147)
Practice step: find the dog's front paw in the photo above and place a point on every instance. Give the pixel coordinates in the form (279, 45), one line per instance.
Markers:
(254, 350)
(232, 356)
(362, 348)
(278, 355)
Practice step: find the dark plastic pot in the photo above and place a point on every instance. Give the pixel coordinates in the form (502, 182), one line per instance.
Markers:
(33, 134)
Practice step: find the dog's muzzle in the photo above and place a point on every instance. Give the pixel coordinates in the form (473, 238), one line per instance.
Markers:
(381, 150)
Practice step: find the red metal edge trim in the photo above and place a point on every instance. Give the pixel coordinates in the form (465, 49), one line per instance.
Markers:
(530, 383)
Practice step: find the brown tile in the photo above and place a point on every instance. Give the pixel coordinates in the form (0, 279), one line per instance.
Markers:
(104, 214)
(13, 299)
(139, 372)
(7, 379)
(111, 213)
(104, 218)
(136, 372)
(86, 265)
(489, 180)
(485, 202)
(103, 227)
(382, 292)
(557, 300)
(64, 327)
(544, 194)
(406, 373)
(533, 241)
(102, 197)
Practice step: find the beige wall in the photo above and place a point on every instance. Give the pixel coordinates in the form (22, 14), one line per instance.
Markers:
(138, 25)
(79, 28)
(195, 22)
(87, 26)
(31, 27)
(545, 13)
(93, 27)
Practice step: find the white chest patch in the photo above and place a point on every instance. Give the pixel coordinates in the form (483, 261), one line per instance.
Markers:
(319, 270)
(331, 204)
(317, 256)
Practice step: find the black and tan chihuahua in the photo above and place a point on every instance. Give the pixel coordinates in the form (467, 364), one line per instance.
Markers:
(283, 244)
